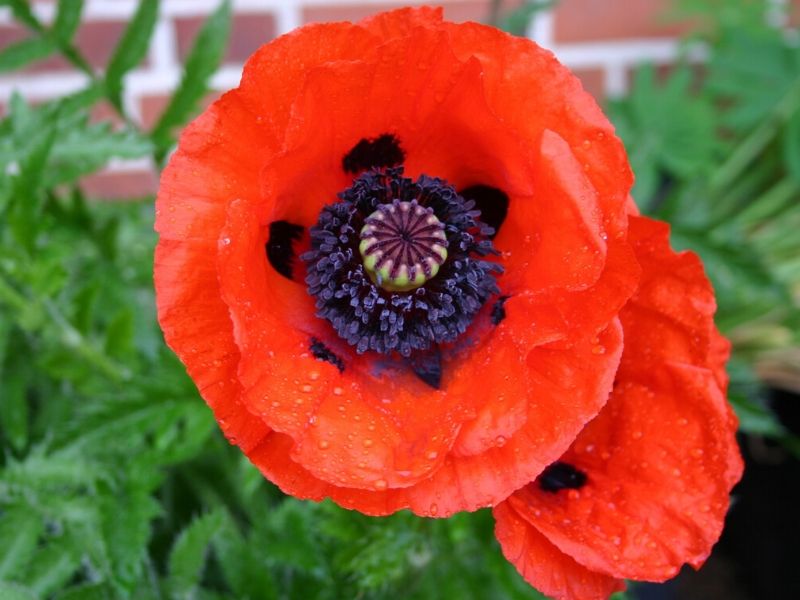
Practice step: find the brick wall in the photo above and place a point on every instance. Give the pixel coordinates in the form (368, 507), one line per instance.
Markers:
(600, 39)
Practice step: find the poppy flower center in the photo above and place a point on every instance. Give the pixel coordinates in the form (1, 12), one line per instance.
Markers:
(397, 265)
(402, 245)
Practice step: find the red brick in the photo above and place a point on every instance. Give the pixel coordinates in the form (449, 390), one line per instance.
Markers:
(793, 12)
(594, 82)
(151, 107)
(11, 34)
(96, 41)
(454, 10)
(103, 111)
(248, 32)
(588, 20)
(119, 185)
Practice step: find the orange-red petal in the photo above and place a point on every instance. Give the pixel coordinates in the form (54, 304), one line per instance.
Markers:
(544, 566)
(196, 324)
(577, 378)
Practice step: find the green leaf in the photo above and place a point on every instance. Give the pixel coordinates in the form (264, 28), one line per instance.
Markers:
(131, 48)
(92, 591)
(53, 565)
(745, 287)
(20, 528)
(204, 58)
(67, 20)
(188, 555)
(25, 52)
(244, 565)
(36, 133)
(666, 129)
(27, 147)
(292, 536)
(119, 334)
(720, 16)
(83, 305)
(127, 519)
(55, 143)
(765, 207)
(754, 418)
(752, 73)
(12, 591)
(41, 475)
(791, 147)
(22, 12)
(82, 149)
(14, 409)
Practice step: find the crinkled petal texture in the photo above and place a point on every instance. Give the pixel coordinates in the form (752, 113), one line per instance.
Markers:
(660, 459)
(468, 104)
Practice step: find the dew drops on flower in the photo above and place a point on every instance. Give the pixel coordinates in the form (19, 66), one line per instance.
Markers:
(431, 291)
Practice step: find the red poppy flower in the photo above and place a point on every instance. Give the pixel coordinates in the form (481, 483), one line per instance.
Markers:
(394, 259)
(444, 399)
(644, 488)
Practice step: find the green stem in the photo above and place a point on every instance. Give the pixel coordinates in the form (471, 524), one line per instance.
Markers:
(771, 202)
(70, 336)
(74, 57)
(74, 339)
(12, 297)
(752, 146)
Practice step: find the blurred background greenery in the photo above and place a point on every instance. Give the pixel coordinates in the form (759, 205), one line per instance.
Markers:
(114, 480)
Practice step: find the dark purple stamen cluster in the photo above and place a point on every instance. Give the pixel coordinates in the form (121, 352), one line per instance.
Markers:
(371, 318)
